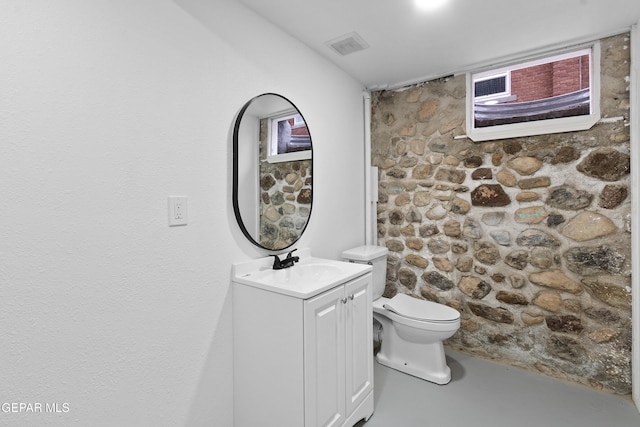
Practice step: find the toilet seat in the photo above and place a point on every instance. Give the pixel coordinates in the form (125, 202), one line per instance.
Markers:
(421, 310)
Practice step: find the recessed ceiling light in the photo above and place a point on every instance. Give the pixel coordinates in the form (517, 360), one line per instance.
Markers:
(429, 4)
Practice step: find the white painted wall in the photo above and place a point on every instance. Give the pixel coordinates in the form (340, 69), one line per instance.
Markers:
(107, 107)
(249, 173)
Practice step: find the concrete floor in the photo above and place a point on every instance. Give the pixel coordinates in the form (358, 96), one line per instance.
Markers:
(483, 393)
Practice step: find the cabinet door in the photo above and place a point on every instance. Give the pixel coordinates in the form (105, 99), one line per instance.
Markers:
(359, 341)
(324, 366)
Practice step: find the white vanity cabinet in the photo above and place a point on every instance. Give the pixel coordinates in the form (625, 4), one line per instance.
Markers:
(338, 354)
(303, 362)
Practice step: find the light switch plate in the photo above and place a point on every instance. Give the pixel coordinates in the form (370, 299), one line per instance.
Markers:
(177, 210)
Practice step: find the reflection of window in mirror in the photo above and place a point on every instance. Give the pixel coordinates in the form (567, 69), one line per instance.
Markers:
(556, 93)
(288, 138)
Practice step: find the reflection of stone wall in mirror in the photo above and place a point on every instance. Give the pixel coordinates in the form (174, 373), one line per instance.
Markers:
(285, 202)
(272, 194)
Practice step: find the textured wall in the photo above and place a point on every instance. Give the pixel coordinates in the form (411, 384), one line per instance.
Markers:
(285, 202)
(285, 197)
(109, 107)
(528, 238)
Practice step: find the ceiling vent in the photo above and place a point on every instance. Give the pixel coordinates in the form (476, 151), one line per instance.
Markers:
(347, 44)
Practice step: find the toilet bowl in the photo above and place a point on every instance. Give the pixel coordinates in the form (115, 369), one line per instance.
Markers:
(412, 329)
(412, 334)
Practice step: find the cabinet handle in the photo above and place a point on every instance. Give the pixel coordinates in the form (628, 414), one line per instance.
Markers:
(344, 300)
(351, 297)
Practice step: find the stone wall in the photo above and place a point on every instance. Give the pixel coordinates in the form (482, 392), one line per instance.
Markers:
(529, 238)
(285, 198)
(285, 202)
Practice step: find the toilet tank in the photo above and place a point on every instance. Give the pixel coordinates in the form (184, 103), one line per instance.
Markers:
(376, 256)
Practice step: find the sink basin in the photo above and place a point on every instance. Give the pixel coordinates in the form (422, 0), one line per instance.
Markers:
(305, 279)
(317, 271)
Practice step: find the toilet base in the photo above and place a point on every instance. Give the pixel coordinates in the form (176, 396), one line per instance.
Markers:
(423, 359)
(441, 378)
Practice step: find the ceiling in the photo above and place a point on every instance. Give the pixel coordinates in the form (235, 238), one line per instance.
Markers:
(408, 45)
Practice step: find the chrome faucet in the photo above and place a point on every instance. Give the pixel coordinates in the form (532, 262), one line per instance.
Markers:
(285, 263)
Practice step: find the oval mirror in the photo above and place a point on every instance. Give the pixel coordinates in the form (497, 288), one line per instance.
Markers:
(272, 171)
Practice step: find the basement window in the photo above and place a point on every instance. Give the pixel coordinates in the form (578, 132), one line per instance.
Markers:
(559, 92)
(288, 138)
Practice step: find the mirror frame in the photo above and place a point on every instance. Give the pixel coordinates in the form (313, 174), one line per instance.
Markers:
(235, 190)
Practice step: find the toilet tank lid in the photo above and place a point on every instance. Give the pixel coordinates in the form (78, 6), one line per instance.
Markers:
(365, 253)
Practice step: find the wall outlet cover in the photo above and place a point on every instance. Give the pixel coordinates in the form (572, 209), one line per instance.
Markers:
(177, 210)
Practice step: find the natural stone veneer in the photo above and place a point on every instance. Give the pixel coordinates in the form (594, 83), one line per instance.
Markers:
(285, 197)
(285, 202)
(529, 238)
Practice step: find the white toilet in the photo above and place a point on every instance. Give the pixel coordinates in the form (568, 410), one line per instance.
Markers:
(412, 329)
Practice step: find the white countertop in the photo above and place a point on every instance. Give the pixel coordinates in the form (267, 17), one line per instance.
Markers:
(308, 277)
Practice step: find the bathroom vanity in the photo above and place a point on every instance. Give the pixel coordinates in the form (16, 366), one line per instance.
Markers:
(302, 342)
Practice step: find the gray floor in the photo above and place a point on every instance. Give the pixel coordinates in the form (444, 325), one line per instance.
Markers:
(483, 393)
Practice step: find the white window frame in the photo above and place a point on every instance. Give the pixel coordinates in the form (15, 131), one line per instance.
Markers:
(272, 138)
(539, 127)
